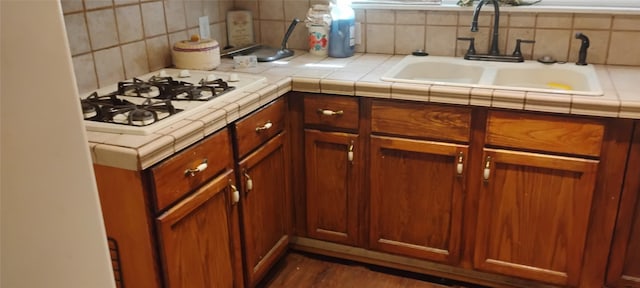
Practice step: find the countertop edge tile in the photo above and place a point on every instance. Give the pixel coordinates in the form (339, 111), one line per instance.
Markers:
(450, 94)
(546, 102)
(116, 156)
(156, 151)
(338, 87)
(509, 99)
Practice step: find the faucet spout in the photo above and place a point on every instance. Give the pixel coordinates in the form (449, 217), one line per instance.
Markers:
(496, 23)
(582, 54)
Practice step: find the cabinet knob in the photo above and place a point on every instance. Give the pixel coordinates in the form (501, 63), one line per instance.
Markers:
(266, 126)
(487, 169)
(235, 194)
(198, 169)
(328, 112)
(249, 182)
(350, 152)
(460, 164)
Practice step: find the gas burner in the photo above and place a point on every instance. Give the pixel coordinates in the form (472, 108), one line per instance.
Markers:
(139, 88)
(89, 110)
(149, 112)
(142, 117)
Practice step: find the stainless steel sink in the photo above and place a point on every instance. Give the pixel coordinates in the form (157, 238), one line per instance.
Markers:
(528, 76)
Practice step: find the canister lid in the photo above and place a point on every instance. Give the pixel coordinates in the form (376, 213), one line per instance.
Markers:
(196, 44)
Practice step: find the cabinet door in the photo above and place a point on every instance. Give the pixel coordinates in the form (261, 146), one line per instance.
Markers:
(624, 261)
(265, 216)
(194, 238)
(332, 186)
(533, 215)
(416, 197)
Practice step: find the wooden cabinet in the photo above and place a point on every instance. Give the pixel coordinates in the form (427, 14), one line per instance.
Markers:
(534, 207)
(264, 180)
(534, 214)
(417, 184)
(332, 186)
(195, 237)
(624, 261)
(333, 168)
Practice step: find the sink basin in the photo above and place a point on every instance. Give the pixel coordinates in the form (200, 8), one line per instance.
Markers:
(528, 76)
(546, 78)
(436, 70)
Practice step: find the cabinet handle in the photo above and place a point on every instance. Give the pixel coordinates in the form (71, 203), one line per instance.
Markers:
(328, 112)
(350, 153)
(198, 169)
(266, 126)
(249, 183)
(487, 169)
(235, 194)
(460, 164)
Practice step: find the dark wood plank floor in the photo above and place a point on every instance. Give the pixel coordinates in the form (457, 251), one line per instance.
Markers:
(307, 270)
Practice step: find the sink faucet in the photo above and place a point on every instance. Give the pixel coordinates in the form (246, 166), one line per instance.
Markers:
(494, 53)
(496, 23)
(582, 54)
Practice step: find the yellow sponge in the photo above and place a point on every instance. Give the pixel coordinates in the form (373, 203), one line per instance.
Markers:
(556, 85)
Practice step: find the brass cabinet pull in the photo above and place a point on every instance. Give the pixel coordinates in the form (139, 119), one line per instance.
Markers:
(249, 183)
(266, 126)
(198, 169)
(487, 169)
(460, 164)
(350, 152)
(235, 194)
(328, 112)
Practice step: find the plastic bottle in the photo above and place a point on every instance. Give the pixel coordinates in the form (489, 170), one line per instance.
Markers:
(341, 36)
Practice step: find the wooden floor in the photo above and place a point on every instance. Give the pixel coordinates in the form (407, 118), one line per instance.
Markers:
(307, 270)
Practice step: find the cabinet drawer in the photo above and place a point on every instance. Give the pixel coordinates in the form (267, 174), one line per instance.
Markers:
(260, 126)
(578, 136)
(333, 111)
(171, 179)
(421, 120)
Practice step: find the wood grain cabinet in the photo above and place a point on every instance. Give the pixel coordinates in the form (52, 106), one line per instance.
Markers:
(538, 184)
(418, 168)
(263, 170)
(333, 167)
(195, 237)
(196, 211)
(624, 261)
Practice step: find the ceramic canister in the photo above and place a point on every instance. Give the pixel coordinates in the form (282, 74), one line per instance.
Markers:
(318, 40)
(197, 54)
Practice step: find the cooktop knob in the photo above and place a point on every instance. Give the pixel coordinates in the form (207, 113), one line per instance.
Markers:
(184, 74)
(212, 77)
(233, 77)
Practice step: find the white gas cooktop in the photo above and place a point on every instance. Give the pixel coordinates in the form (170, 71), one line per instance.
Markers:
(155, 100)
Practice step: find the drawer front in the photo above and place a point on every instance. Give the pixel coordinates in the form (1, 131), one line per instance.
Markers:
(578, 136)
(332, 111)
(172, 179)
(260, 126)
(421, 120)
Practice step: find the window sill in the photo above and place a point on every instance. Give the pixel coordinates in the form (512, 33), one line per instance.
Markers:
(523, 9)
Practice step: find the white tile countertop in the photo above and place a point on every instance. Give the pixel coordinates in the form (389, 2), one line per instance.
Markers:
(358, 75)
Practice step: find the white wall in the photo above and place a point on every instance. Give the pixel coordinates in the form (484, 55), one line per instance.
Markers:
(52, 234)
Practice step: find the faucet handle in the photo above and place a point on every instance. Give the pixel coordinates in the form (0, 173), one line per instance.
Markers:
(472, 48)
(517, 52)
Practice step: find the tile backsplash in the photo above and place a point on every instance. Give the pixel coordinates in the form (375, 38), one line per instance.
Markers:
(111, 40)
